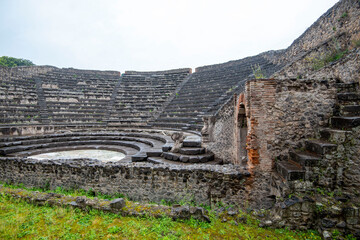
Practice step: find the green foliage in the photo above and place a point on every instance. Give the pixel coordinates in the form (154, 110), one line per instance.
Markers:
(334, 54)
(356, 43)
(258, 73)
(14, 62)
(19, 219)
(344, 15)
(72, 192)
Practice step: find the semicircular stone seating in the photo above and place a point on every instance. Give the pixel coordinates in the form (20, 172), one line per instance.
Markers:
(138, 145)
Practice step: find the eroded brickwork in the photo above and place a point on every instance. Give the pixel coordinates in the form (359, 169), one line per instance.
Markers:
(260, 101)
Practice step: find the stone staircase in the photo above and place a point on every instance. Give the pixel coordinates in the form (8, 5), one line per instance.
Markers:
(44, 114)
(112, 99)
(315, 163)
(190, 152)
(142, 95)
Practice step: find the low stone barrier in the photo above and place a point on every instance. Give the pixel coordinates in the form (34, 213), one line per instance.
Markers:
(202, 184)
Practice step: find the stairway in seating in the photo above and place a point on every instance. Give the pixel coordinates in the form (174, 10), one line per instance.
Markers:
(112, 99)
(44, 114)
(301, 163)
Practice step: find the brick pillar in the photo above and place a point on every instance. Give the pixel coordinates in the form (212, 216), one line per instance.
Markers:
(260, 100)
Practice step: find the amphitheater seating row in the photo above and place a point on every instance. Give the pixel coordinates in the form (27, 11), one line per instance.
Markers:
(141, 95)
(206, 90)
(173, 99)
(76, 96)
(18, 98)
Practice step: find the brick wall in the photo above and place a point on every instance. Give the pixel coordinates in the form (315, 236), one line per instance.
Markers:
(260, 99)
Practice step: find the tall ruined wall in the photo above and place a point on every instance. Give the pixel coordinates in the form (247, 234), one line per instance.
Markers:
(281, 113)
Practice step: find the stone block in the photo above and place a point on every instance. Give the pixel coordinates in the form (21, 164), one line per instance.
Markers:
(117, 204)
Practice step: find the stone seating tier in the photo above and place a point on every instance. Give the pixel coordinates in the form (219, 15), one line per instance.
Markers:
(137, 145)
(207, 89)
(141, 95)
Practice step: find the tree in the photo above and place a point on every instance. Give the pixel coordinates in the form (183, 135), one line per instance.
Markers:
(13, 62)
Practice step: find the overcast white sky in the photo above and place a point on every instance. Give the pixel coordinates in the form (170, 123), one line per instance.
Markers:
(150, 34)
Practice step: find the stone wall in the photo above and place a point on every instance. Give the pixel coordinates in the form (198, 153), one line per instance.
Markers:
(29, 71)
(219, 132)
(346, 70)
(26, 130)
(26, 71)
(282, 113)
(338, 30)
(206, 184)
(342, 17)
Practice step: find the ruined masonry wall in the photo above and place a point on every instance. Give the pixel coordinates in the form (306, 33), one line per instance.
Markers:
(342, 17)
(28, 71)
(260, 96)
(221, 130)
(142, 182)
(282, 113)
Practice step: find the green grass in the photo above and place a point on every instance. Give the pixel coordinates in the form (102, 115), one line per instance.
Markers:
(329, 57)
(72, 192)
(21, 220)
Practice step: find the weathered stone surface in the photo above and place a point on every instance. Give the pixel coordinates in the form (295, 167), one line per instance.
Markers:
(140, 181)
(118, 203)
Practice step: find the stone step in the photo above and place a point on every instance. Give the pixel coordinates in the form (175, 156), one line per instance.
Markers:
(320, 147)
(290, 171)
(334, 135)
(191, 150)
(192, 142)
(305, 159)
(201, 158)
(167, 147)
(171, 125)
(350, 110)
(155, 160)
(345, 122)
(154, 153)
(176, 114)
(352, 96)
(179, 120)
(21, 148)
(347, 87)
(199, 110)
(139, 157)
